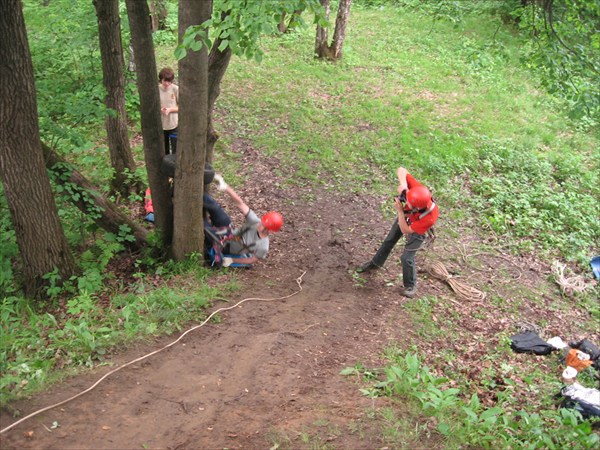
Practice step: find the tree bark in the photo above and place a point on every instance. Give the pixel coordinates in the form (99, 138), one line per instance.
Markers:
(158, 11)
(104, 213)
(339, 35)
(333, 51)
(113, 63)
(188, 232)
(40, 236)
(147, 80)
(218, 61)
(322, 37)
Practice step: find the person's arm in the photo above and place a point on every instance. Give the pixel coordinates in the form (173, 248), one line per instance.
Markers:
(404, 227)
(167, 111)
(237, 200)
(402, 184)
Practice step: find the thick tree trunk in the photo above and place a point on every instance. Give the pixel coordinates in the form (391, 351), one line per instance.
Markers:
(111, 50)
(188, 233)
(40, 237)
(91, 202)
(147, 80)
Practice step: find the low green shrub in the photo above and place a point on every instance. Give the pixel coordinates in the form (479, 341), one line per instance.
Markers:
(464, 421)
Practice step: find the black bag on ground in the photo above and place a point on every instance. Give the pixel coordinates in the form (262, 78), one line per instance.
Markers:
(586, 347)
(530, 342)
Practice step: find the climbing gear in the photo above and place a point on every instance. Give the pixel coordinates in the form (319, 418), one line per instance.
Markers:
(469, 293)
(272, 221)
(419, 197)
(220, 237)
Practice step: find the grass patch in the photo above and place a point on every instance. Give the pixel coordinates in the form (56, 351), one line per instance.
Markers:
(455, 418)
(42, 342)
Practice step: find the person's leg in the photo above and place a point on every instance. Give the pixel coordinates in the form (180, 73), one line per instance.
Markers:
(216, 214)
(167, 141)
(414, 241)
(384, 250)
(387, 245)
(173, 140)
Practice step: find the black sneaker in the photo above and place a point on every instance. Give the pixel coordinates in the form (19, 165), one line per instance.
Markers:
(366, 267)
(409, 292)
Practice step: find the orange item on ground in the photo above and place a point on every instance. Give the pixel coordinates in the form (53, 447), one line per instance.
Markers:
(573, 360)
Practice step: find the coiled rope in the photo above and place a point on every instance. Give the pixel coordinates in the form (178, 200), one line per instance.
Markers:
(466, 292)
(47, 408)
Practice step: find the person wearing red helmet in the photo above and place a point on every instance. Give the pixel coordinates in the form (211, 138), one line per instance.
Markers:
(250, 242)
(417, 213)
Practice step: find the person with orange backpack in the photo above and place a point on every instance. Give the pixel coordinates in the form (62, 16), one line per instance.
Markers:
(236, 247)
(417, 213)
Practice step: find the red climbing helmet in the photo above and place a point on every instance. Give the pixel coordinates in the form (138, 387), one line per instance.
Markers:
(272, 221)
(419, 197)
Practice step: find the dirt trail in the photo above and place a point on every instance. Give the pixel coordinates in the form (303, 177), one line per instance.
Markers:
(269, 372)
(266, 374)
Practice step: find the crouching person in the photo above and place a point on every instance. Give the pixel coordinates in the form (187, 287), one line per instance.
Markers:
(229, 247)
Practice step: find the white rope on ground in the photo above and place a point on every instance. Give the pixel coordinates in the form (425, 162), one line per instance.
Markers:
(438, 270)
(568, 285)
(47, 408)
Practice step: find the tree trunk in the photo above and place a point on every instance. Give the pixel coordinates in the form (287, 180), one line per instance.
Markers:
(188, 233)
(282, 27)
(333, 52)
(113, 63)
(91, 202)
(40, 237)
(158, 11)
(218, 61)
(321, 40)
(339, 34)
(147, 80)
(286, 25)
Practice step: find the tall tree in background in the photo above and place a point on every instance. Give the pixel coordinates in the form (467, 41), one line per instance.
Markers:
(111, 50)
(333, 51)
(188, 235)
(40, 236)
(147, 81)
(158, 12)
(236, 28)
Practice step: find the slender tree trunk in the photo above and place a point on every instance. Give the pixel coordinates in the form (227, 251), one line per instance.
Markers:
(286, 25)
(147, 80)
(104, 213)
(158, 12)
(333, 51)
(321, 40)
(188, 234)
(339, 35)
(40, 237)
(113, 63)
(218, 61)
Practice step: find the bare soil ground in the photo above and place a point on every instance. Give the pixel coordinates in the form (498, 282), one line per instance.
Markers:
(269, 372)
